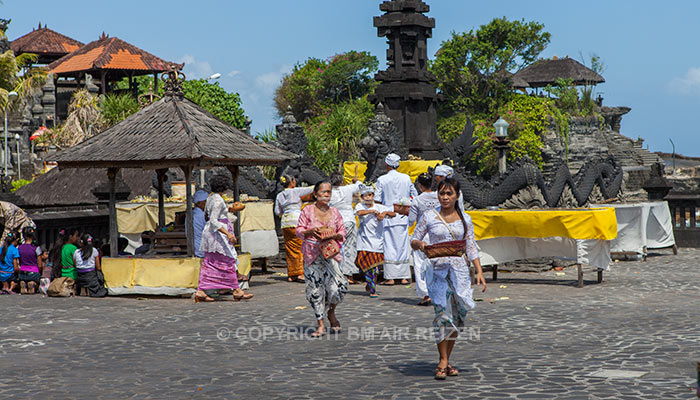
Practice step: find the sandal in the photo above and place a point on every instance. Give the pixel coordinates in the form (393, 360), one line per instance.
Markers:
(425, 302)
(244, 296)
(373, 295)
(318, 334)
(200, 298)
(385, 283)
(441, 373)
(451, 371)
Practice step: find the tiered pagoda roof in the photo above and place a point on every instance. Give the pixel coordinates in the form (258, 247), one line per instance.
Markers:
(108, 54)
(49, 45)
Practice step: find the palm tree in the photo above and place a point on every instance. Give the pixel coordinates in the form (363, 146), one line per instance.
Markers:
(17, 74)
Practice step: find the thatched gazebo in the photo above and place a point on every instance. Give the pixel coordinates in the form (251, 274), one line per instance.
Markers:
(546, 72)
(172, 132)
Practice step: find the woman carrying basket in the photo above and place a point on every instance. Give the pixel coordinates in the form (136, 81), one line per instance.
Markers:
(322, 229)
(451, 236)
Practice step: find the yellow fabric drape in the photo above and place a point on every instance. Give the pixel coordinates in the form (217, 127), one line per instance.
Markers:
(140, 217)
(412, 168)
(597, 223)
(126, 272)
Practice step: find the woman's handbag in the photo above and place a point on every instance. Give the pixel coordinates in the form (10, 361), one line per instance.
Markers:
(329, 248)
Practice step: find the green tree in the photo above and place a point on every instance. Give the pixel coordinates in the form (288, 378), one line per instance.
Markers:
(471, 68)
(224, 105)
(317, 84)
(17, 74)
(329, 99)
(333, 135)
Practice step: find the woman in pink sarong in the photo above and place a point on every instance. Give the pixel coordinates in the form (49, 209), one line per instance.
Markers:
(218, 269)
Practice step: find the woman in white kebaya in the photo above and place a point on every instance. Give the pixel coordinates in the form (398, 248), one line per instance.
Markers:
(449, 284)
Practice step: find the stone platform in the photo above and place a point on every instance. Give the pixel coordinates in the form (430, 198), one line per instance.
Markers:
(635, 336)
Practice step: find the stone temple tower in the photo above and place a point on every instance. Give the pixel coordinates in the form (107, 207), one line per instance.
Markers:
(405, 87)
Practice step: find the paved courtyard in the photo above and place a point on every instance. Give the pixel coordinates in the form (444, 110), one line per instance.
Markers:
(636, 335)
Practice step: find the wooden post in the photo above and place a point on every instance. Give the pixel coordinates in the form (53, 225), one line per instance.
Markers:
(155, 83)
(113, 229)
(495, 272)
(104, 82)
(600, 276)
(188, 204)
(161, 197)
(236, 197)
(580, 275)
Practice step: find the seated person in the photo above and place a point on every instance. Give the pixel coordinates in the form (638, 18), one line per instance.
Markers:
(146, 243)
(122, 244)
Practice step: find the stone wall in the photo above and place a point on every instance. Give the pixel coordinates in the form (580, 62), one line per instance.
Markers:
(588, 137)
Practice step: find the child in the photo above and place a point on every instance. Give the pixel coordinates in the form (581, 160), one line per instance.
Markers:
(9, 263)
(30, 263)
(370, 244)
(87, 263)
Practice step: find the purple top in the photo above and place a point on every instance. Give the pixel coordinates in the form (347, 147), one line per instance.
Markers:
(28, 254)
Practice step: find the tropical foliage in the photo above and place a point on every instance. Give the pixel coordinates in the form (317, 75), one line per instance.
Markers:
(329, 99)
(116, 107)
(17, 74)
(472, 67)
(316, 84)
(226, 106)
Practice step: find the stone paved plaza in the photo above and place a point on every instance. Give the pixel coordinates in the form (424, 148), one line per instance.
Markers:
(533, 336)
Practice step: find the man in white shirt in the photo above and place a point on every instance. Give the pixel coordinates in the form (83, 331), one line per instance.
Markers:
(391, 189)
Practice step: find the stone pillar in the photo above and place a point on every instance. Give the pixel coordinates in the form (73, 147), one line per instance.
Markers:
(48, 101)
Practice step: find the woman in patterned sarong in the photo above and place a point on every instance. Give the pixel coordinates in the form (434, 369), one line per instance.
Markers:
(447, 277)
(325, 283)
(288, 207)
(218, 270)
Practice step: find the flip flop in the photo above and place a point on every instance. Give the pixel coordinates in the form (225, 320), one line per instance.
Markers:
(373, 295)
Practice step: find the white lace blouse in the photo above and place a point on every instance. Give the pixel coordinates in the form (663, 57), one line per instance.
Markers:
(420, 204)
(288, 205)
(431, 224)
(214, 241)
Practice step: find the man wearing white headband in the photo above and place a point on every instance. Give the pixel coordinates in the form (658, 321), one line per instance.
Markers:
(391, 188)
(445, 171)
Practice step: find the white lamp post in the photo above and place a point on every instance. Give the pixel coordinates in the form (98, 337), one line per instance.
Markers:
(501, 142)
(10, 97)
(19, 161)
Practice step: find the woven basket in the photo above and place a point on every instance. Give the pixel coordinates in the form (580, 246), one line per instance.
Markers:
(453, 248)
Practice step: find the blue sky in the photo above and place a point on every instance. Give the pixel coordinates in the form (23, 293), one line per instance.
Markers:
(649, 48)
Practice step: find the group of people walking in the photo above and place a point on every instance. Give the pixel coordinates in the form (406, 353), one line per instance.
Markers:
(327, 247)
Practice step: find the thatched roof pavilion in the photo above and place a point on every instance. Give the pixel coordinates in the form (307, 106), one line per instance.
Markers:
(546, 72)
(47, 44)
(172, 132)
